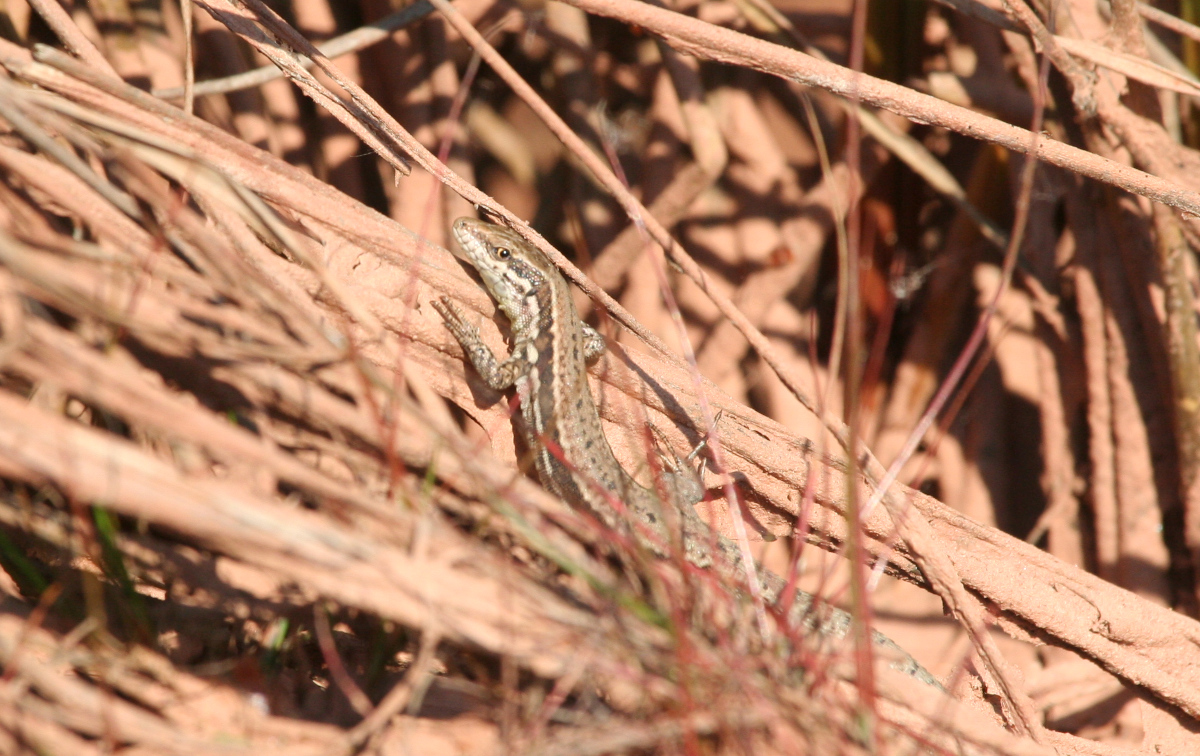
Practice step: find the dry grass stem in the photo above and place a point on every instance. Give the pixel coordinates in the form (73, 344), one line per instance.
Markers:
(252, 500)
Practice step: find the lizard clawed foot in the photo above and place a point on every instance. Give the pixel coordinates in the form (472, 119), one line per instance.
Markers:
(704, 441)
(454, 318)
(686, 480)
(681, 473)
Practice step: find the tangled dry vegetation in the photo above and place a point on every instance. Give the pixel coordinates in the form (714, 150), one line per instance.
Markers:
(251, 502)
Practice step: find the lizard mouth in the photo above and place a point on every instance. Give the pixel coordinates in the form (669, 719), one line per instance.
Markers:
(470, 246)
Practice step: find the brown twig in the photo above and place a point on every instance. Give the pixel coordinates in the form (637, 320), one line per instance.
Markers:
(714, 43)
(58, 20)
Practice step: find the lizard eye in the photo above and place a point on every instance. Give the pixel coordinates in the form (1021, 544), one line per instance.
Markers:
(503, 253)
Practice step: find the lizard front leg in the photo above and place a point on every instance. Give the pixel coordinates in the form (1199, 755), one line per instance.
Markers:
(497, 375)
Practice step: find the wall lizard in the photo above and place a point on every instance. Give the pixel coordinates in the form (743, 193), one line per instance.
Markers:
(551, 347)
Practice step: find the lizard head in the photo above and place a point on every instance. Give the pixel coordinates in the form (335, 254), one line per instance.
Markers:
(512, 269)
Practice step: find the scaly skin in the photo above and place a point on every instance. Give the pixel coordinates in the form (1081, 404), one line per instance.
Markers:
(551, 347)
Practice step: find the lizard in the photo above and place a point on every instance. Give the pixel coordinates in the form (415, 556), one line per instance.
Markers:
(550, 350)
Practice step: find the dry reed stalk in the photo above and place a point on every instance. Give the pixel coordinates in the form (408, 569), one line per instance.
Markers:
(225, 400)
